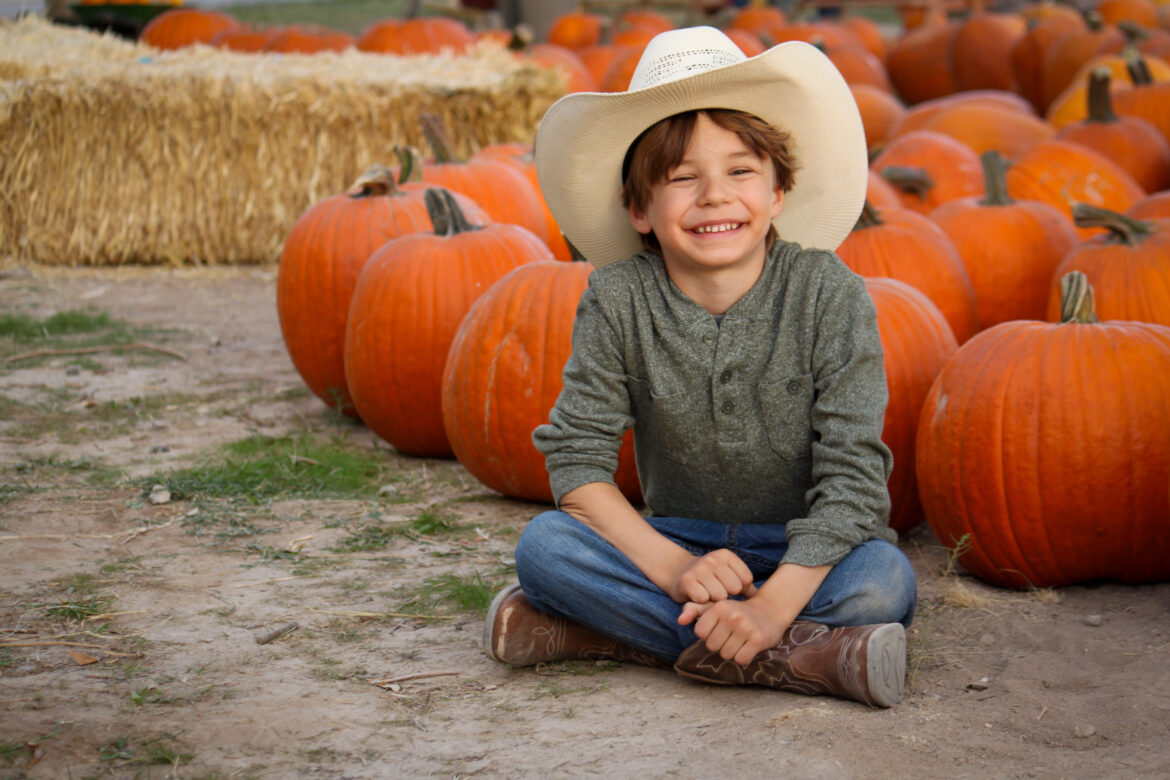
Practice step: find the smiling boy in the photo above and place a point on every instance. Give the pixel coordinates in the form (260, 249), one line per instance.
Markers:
(722, 328)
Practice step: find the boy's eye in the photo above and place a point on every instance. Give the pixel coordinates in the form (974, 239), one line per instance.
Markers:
(681, 177)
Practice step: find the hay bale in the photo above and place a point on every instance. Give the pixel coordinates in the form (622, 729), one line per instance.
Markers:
(128, 155)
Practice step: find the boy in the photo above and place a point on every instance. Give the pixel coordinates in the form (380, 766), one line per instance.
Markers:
(746, 358)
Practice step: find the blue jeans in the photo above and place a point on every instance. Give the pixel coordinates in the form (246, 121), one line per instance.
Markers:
(566, 568)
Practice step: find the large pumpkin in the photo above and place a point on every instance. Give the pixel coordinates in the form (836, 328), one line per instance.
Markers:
(907, 246)
(503, 375)
(916, 344)
(1010, 247)
(320, 263)
(928, 169)
(178, 27)
(409, 300)
(1128, 266)
(1043, 451)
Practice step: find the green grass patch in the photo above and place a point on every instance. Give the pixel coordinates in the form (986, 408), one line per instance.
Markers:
(377, 535)
(80, 609)
(267, 467)
(70, 329)
(352, 16)
(448, 594)
(127, 752)
(54, 467)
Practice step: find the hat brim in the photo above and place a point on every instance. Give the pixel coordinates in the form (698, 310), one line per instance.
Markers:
(583, 139)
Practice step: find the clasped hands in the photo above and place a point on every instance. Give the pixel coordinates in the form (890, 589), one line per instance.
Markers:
(736, 629)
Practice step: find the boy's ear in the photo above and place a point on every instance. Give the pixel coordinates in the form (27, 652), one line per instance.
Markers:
(640, 221)
(778, 204)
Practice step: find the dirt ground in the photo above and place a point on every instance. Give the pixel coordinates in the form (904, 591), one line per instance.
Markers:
(128, 628)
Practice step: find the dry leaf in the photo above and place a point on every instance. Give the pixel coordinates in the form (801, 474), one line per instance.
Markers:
(81, 659)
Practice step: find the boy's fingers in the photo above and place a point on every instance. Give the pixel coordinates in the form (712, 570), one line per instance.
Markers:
(750, 590)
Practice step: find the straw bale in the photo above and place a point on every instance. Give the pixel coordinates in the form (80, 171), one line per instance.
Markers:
(130, 155)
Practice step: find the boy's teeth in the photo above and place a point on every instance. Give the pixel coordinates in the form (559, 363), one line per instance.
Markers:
(717, 228)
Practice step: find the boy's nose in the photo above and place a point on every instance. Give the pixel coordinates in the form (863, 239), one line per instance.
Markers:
(713, 190)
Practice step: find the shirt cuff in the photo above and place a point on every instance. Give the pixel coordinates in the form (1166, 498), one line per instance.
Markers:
(563, 480)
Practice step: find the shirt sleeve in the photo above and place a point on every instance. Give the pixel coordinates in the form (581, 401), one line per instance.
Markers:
(582, 438)
(849, 502)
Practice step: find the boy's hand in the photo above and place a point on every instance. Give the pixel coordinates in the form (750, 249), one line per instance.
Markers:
(737, 630)
(713, 577)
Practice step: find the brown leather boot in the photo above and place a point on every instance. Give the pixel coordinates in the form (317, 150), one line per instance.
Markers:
(862, 663)
(519, 634)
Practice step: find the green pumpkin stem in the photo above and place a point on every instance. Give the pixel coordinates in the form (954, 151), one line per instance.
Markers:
(1122, 229)
(995, 179)
(870, 217)
(435, 131)
(446, 216)
(375, 180)
(909, 179)
(1100, 101)
(1076, 299)
(409, 163)
(1138, 69)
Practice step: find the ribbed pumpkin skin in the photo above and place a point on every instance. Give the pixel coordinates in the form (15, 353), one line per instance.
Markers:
(503, 375)
(520, 156)
(1129, 282)
(953, 167)
(916, 344)
(909, 247)
(319, 267)
(406, 308)
(1047, 444)
(179, 27)
(1010, 252)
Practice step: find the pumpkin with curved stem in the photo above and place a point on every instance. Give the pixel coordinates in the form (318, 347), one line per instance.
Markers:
(1129, 266)
(1131, 142)
(928, 169)
(1026, 450)
(1149, 99)
(1009, 247)
(503, 375)
(907, 246)
(1069, 53)
(407, 305)
(1072, 105)
(179, 27)
(320, 264)
(916, 344)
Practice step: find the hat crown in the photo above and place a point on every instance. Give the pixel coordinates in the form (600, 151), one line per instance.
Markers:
(676, 54)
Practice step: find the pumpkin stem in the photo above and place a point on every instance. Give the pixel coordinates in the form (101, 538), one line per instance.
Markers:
(522, 37)
(436, 134)
(1123, 229)
(375, 180)
(869, 217)
(1094, 20)
(409, 163)
(995, 180)
(446, 216)
(1100, 101)
(575, 253)
(1134, 32)
(1138, 69)
(908, 179)
(1076, 299)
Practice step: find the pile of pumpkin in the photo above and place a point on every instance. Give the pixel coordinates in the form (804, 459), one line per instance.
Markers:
(1019, 263)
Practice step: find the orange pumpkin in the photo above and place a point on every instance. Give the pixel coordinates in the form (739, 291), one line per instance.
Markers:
(916, 344)
(919, 63)
(428, 35)
(907, 246)
(983, 46)
(1128, 266)
(917, 117)
(409, 300)
(1028, 53)
(307, 39)
(503, 375)
(880, 111)
(1069, 53)
(241, 38)
(178, 27)
(576, 30)
(1009, 247)
(521, 156)
(1007, 131)
(928, 169)
(1149, 99)
(1130, 141)
(319, 266)
(1154, 206)
(1026, 450)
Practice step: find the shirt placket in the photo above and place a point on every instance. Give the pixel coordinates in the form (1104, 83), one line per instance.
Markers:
(727, 395)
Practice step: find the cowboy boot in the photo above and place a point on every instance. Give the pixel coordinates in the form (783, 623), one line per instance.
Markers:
(519, 634)
(862, 663)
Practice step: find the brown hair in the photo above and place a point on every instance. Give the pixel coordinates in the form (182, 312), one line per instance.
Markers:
(661, 147)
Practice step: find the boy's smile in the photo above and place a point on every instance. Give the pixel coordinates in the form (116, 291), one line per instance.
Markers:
(713, 212)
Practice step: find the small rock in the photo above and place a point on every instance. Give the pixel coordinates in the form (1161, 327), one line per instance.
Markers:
(1084, 731)
(1093, 620)
(215, 341)
(160, 448)
(387, 490)
(979, 685)
(72, 370)
(160, 495)
(987, 639)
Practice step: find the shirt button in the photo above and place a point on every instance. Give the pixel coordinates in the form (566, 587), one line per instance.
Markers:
(725, 377)
(728, 407)
(794, 387)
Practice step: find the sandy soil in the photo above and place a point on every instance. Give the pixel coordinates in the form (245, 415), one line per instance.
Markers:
(171, 682)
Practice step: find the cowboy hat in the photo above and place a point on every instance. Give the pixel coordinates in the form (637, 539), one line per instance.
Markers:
(583, 138)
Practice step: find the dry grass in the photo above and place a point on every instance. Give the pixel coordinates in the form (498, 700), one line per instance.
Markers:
(113, 153)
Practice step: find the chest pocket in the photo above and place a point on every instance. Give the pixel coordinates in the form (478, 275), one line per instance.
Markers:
(786, 406)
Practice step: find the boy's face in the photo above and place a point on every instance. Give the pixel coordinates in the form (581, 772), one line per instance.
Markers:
(714, 210)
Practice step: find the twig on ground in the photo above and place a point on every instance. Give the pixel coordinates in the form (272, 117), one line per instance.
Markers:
(408, 615)
(262, 582)
(131, 533)
(90, 350)
(277, 633)
(403, 678)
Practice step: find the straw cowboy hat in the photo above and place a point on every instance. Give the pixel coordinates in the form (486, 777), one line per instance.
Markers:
(583, 138)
